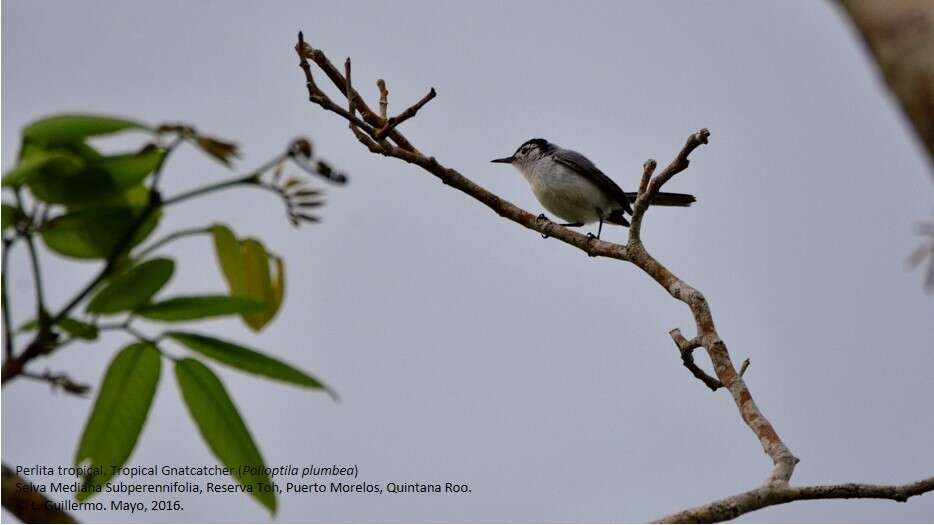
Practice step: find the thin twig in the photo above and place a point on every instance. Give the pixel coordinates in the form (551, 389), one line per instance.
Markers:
(373, 120)
(383, 98)
(767, 496)
(352, 109)
(171, 237)
(686, 349)
(179, 138)
(679, 164)
(42, 314)
(647, 169)
(59, 381)
(410, 112)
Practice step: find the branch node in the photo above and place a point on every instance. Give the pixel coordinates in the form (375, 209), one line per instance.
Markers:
(742, 369)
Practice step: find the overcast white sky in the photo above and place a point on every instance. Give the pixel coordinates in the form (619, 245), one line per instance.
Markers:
(467, 348)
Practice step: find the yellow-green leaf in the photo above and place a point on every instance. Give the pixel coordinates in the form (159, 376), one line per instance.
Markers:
(227, 250)
(257, 282)
(245, 265)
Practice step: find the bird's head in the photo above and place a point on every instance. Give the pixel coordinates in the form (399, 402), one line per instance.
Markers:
(529, 152)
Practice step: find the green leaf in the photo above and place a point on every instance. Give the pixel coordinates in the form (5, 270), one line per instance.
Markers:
(97, 181)
(78, 329)
(29, 326)
(93, 233)
(222, 428)
(246, 268)
(56, 163)
(11, 214)
(69, 128)
(199, 307)
(119, 412)
(132, 288)
(247, 359)
(131, 168)
(71, 326)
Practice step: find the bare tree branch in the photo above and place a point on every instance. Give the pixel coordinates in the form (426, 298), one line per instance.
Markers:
(29, 506)
(767, 496)
(776, 488)
(687, 358)
(57, 381)
(392, 122)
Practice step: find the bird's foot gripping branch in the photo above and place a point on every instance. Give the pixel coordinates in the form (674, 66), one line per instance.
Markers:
(380, 134)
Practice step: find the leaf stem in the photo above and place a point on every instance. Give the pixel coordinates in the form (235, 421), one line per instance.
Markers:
(169, 149)
(8, 332)
(172, 237)
(251, 178)
(248, 179)
(42, 315)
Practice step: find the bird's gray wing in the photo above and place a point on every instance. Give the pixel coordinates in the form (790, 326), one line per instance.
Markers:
(582, 166)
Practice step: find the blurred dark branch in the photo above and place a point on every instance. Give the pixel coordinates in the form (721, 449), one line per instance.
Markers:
(180, 234)
(29, 506)
(900, 35)
(61, 381)
(8, 331)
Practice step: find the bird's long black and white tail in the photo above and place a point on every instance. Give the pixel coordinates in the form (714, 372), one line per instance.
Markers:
(666, 199)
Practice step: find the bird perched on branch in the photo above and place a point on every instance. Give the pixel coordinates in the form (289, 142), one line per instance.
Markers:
(567, 184)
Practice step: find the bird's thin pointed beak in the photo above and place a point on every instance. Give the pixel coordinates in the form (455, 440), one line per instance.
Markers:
(504, 160)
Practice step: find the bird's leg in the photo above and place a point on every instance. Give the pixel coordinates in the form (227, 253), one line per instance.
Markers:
(599, 230)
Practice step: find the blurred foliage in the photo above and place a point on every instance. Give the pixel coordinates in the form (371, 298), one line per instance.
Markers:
(88, 205)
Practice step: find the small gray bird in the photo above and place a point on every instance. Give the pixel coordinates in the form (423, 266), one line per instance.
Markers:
(570, 186)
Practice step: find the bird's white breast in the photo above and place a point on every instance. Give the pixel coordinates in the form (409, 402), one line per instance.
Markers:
(565, 193)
